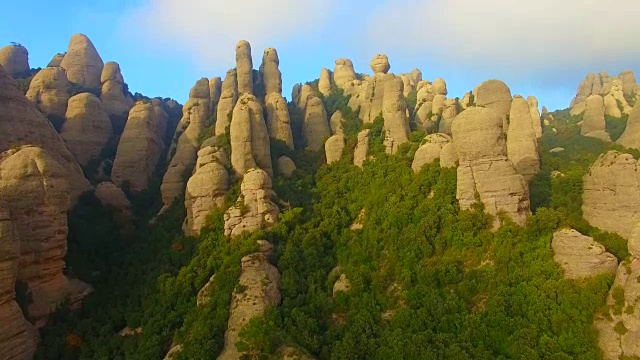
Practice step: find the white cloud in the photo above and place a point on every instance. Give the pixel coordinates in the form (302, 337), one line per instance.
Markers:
(208, 30)
(510, 37)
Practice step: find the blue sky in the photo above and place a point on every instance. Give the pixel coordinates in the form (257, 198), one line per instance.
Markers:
(542, 48)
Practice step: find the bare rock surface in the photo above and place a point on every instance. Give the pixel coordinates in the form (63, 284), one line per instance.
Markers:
(15, 59)
(49, 91)
(580, 256)
(429, 151)
(82, 62)
(394, 111)
(250, 144)
(361, 151)
(255, 208)
(522, 145)
(324, 84)
(343, 72)
(278, 119)
(316, 128)
(333, 148)
(495, 95)
(116, 100)
(286, 166)
(271, 75)
(228, 99)
(244, 67)
(630, 138)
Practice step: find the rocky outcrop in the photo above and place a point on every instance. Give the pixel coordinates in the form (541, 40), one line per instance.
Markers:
(629, 83)
(619, 327)
(18, 339)
(495, 95)
(271, 75)
(141, 146)
(522, 146)
(611, 197)
(341, 285)
(305, 92)
(21, 123)
(250, 145)
(593, 120)
(259, 281)
(429, 151)
(343, 72)
(49, 91)
(362, 148)
(115, 98)
(15, 59)
(536, 119)
(334, 147)
(207, 187)
(580, 256)
(82, 62)
(87, 128)
(324, 83)
(612, 89)
(439, 86)
(278, 120)
(192, 124)
(449, 113)
(56, 60)
(484, 167)
(448, 156)
(111, 196)
(254, 209)
(286, 166)
(611, 106)
(215, 92)
(394, 111)
(228, 100)
(36, 193)
(630, 138)
(244, 67)
(316, 125)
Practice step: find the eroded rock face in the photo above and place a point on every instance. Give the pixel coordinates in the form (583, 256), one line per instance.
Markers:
(206, 188)
(333, 148)
(215, 92)
(87, 128)
(448, 156)
(429, 151)
(21, 123)
(343, 72)
(394, 111)
(82, 62)
(250, 145)
(593, 120)
(522, 146)
(36, 192)
(110, 195)
(362, 148)
(192, 124)
(18, 339)
(536, 119)
(15, 59)
(286, 166)
(324, 84)
(630, 138)
(629, 83)
(495, 95)
(619, 332)
(580, 256)
(116, 100)
(56, 60)
(278, 119)
(49, 91)
(449, 113)
(141, 146)
(611, 197)
(244, 67)
(380, 64)
(439, 86)
(271, 75)
(228, 100)
(305, 92)
(260, 281)
(254, 209)
(316, 125)
(484, 167)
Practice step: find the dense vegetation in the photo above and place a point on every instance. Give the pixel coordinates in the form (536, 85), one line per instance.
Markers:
(427, 280)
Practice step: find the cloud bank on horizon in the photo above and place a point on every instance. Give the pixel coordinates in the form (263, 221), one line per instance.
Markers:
(546, 43)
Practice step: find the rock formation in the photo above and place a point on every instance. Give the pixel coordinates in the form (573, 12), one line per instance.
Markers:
(115, 98)
(495, 95)
(630, 138)
(522, 146)
(424, 107)
(324, 84)
(449, 113)
(18, 339)
(343, 72)
(271, 75)
(250, 144)
(536, 119)
(207, 186)
(260, 281)
(484, 167)
(82, 62)
(254, 209)
(244, 67)
(141, 146)
(362, 148)
(448, 156)
(374, 89)
(613, 90)
(593, 123)
(611, 197)
(215, 92)
(87, 128)
(316, 125)
(580, 256)
(49, 91)
(429, 151)
(22, 124)
(111, 195)
(333, 148)
(228, 100)
(56, 60)
(629, 83)
(439, 86)
(36, 193)
(15, 59)
(192, 124)
(394, 111)
(278, 120)
(286, 166)
(305, 92)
